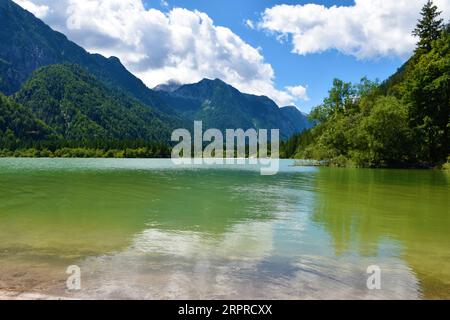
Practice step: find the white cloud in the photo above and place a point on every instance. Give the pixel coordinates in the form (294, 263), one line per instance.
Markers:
(367, 29)
(39, 11)
(158, 46)
(299, 92)
(250, 24)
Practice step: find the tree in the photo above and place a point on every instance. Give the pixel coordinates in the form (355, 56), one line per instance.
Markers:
(429, 27)
(341, 98)
(405, 121)
(384, 136)
(428, 95)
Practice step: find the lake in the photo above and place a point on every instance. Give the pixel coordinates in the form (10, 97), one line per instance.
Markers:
(144, 229)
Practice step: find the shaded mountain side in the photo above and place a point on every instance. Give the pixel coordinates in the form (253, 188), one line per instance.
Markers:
(221, 106)
(18, 125)
(79, 107)
(27, 44)
(296, 119)
(170, 86)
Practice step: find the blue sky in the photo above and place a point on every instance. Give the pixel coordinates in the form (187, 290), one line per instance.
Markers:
(316, 71)
(287, 50)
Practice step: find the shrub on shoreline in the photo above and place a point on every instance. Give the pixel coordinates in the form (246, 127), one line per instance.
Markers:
(83, 153)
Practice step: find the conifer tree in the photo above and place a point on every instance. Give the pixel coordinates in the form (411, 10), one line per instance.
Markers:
(429, 27)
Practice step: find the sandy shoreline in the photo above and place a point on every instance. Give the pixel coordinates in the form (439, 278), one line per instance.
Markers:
(11, 295)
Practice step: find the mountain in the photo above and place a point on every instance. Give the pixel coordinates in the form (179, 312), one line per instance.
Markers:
(170, 86)
(101, 99)
(27, 44)
(222, 106)
(298, 120)
(18, 125)
(79, 107)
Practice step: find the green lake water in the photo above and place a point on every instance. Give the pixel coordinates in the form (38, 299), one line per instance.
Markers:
(147, 229)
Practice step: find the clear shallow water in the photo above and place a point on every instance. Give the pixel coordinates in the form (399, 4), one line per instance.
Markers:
(146, 229)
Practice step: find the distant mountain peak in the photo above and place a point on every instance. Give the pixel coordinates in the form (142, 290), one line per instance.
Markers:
(205, 88)
(115, 59)
(215, 81)
(27, 44)
(294, 109)
(169, 86)
(221, 106)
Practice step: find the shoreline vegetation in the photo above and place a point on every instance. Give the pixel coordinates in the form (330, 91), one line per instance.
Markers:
(403, 122)
(144, 153)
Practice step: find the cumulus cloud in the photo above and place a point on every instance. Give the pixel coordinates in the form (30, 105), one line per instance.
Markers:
(299, 92)
(368, 29)
(180, 44)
